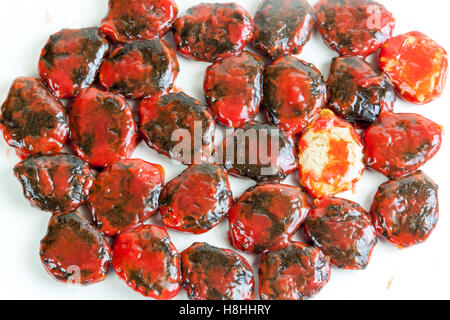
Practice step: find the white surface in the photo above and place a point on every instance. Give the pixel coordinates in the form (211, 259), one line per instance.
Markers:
(420, 272)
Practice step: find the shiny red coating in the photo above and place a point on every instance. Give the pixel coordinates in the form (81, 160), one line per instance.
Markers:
(32, 120)
(259, 151)
(283, 27)
(211, 31)
(294, 93)
(74, 251)
(211, 273)
(343, 230)
(266, 216)
(148, 262)
(140, 69)
(129, 20)
(197, 200)
(400, 143)
(234, 88)
(70, 60)
(334, 164)
(354, 27)
(417, 65)
(297, 272)
(406, 210)
(58, 183)
(125, 194)
(358, 91)
(102, 127)
(164, 119)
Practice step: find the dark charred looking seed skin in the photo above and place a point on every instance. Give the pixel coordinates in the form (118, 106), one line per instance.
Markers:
(148, 262)
(211, 31)
(75, 251)
(266, 216)
(248, 152)
(140, 69)
(406, 210)
(70, 60)
(125, 195)
(343, 230)
(58, 183)
(283, 27)
(161, 119)
(294, 93)
(354, 27)
(197, 200)
(32, 120)
(234, 88)
(358, 92)
(129, 20)
(211, 273)
(298, 272)
(102, 127)
(400, 143)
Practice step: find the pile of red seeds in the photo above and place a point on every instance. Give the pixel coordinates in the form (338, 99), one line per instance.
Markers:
(329, 131)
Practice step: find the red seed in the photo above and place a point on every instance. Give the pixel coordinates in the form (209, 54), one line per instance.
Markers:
(148, 262)
(33, 120)
(129, 20)
(283, 27)
(294, 93)
(259, 151)
(359, 92)
(140, 69)
(197, 200)
(406, 210)
(234, 88)
(58, 183)
(125, 195)
(399, 144)
(102, 127)
(343, 231)
(70, 60)
(74, 251)
(417, 66)
(298, 272)
(211, 31)
(163, 119)
(211, 273)
(266, 216)
(354, 27)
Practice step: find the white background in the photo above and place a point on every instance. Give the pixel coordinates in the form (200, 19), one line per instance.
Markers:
(421, 272)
